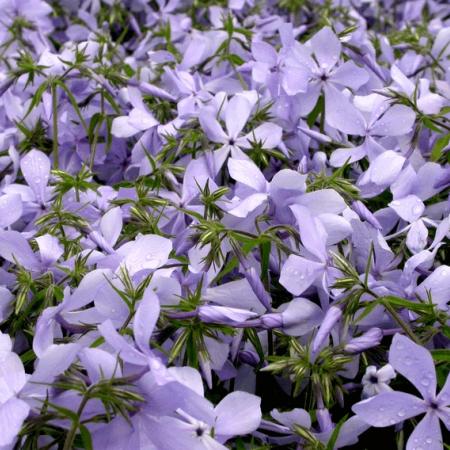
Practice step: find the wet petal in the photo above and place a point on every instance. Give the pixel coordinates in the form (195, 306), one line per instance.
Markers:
(389, 408)
(35, 167)
(414, 363)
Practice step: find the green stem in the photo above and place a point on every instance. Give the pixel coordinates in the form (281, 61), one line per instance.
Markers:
(55, 125)
(70, 438)
(401, 323)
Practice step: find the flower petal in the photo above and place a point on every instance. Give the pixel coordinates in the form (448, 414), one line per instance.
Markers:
(427, 434)
(237, 414)
(35, 167)
(341, 114)
(298, 274)
(414, 363)
(389, 408)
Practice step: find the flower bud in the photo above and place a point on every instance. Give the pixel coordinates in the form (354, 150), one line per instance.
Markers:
(332, 316)
(274, 320)
(369, 339)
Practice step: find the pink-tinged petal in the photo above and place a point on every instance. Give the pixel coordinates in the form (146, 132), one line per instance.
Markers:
(100, 365)
(396, 121)
(125, 350)
(121, 127)
(11, 209)
(264, 52)
(248, 173)
(341, 114)
(323, 201)
(247, 205)
(237, 414)
(268, 134)
(212, 127)
(438, 285)
(14, 247)
(299, 273)
(427, 434)
(147, 252)
(414, 363)
(350, 75)
(389, 408)
(409, 208)
(312, 232)
(35, 167)
(145, 319)
(12, 415)
(111, 225)
(236, 115)
(49, 248)
(326, 46)
(416, 239)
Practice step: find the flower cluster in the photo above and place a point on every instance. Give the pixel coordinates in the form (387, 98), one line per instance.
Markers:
(224, 224)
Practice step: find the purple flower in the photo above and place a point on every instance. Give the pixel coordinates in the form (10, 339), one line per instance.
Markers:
(388, 408)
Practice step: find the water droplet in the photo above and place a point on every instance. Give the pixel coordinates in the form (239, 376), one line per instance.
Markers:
(425, 382)
(401, 413)
(302, 277)
(37, 180)
(408, 361)
(417, 209)
(444, 273)
(428, 440)
(392, 421)
(381, 409)
(400, 346)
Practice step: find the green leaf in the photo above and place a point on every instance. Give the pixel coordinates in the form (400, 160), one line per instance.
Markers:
(431, 125)
(252, 336)
(438, 146)
(264, 248)
(421, 308)
(314, 114)
(441, 355)
(333, 438)
(86, 438)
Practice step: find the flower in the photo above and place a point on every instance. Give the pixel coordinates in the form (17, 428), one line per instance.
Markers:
(376, 380)
(389, 408)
